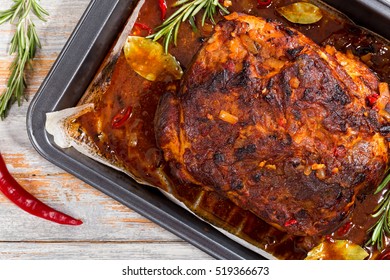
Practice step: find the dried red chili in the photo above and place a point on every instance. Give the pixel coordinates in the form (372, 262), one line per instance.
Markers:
(264, 3)
(371, 99)
(142, 26)
(290, 222)
(163, 8)
(26, 201)
(120, 118)
(344, 229)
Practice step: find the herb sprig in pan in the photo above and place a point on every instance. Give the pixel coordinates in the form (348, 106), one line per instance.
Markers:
(187, 10)
(24, 43)
(381, 228)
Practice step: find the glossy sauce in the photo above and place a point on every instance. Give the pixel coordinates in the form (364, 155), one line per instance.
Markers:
(133, 143)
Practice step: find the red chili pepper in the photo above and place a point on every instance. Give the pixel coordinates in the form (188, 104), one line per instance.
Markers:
(290, 222)
(264, 3)
(371, 99)
(26, 201)
(143, 27)
(163, 8)
(345, 229)
(120, 118)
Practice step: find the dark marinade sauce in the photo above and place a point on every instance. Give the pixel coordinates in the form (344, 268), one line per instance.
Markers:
(134, 144)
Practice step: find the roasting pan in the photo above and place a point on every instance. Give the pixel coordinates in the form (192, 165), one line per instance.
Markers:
(72, 73)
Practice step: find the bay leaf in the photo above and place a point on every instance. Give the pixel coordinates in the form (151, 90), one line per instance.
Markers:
(301, 12)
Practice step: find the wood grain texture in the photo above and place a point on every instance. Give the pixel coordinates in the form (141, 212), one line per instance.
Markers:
(99, 250)
(110, 230)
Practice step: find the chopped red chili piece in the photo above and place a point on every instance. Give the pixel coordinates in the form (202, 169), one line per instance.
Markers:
(290, 222)
(345, 229)
(120, 118)
(264, 3)
(371, 99)
(163, 8)
(26, 201)
(142, 26)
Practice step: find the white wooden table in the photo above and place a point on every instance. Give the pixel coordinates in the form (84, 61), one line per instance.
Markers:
(110, 230)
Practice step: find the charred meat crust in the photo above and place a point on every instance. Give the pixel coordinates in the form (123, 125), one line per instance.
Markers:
(277, 124)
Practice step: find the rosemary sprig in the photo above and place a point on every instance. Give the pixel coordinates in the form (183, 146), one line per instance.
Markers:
(23, 44)
(381, 228)
(187, 10)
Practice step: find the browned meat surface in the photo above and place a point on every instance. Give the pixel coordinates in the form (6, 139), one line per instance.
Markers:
(284, 128)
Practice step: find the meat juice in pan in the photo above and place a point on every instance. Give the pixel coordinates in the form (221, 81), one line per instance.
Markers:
(136, 149)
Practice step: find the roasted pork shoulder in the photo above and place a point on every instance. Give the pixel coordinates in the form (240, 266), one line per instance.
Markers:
(287, 129)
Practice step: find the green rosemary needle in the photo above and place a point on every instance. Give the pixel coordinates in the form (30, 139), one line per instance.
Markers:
(187, 10)
(381, 228)
(23, 44)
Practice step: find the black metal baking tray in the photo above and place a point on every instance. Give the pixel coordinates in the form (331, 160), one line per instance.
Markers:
(69, 78)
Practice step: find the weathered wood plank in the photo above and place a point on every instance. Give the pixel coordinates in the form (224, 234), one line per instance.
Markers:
(106, 251)
(104, 219)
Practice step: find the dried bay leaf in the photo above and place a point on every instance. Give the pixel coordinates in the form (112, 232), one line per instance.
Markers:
(337, 250)
(301, 12)
(149, 60)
